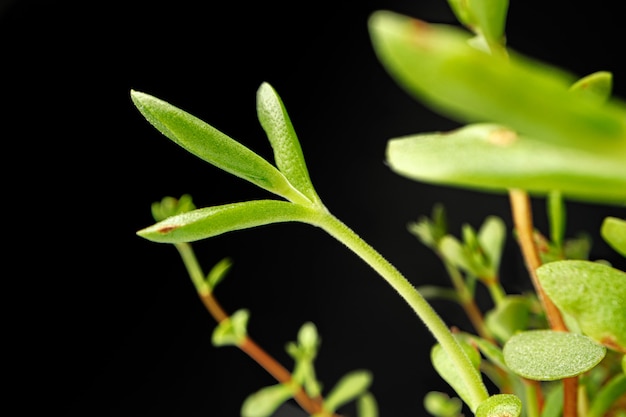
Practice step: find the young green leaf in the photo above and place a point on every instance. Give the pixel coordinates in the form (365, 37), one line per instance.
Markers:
(596, 86)
(509, 316)
(556, 216)
(491, 237)
(282, 136)
(212, 221)
(349, 387)
(366, 405)
(265, 401)
(593, 293)
(233, 330)
(547, 355)
(500, 405)
(218, 272)
(213, 146)
(491, 158)
(613, 231)
(435, 64)
(486, 18)
(448, 370)
(439, 404)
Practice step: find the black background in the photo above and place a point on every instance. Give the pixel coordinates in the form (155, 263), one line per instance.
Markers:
(103, 323)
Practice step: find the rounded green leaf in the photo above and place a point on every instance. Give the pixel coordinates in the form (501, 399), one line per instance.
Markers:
(547, 355)
(350, 387)
(282, 136)
(435, 64)
(594, 294)
(366, 406)
(439, 404)
(213, 146)
(500, 405)
(265, 401)
(212, 221)
(491, 158)
(613, 231)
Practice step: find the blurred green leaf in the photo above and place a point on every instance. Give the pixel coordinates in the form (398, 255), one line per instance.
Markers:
(596, 86)
(212, 221)
(265, 401)
(611, 391)
(448, 370)
(349, 387)
(511, 315)
(233, 330)
(366, 406)
(553, 404)
(430, 230)
(500, 405)
(491, 239)
(435, 64)
(213, 146)
(486, 18)
(547, 355)
(218, 272)
(613, 231)
(170, 206)
(282, 136)
(592, 293)
(439, 404)
(304, 351)
(492, 158)
(556, 217)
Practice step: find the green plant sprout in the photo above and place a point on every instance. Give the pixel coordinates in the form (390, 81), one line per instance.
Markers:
(530, 130)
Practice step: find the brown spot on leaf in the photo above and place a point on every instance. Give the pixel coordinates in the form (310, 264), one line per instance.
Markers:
(167, 229)
(502, 137)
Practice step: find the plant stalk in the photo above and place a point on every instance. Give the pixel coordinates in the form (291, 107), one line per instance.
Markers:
(522, 218)
(471, 377)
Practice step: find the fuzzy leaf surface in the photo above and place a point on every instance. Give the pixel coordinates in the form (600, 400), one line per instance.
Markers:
(592, 293)
(282, 136)
(210, 144)
(448, 370)
(500, 405)
(212, 221)
(491, 158)
(547, 355)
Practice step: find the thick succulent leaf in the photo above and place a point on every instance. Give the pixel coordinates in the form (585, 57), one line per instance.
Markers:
(448, 371)
(547, 355)
(282, 136)
(490, 158)
(211, 145)
(350, 387)
(613, 231)
(265, 401)
(484, 17)
(596, 86)
(212, 221)
(500, 405)
(366, 406)
(592, 293)
(436, 64)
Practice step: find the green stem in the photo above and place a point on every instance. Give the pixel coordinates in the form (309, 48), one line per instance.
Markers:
(473, 381)
(532, 402)
(193, 268)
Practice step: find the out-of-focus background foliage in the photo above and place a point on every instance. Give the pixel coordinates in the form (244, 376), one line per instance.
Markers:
(109, 322)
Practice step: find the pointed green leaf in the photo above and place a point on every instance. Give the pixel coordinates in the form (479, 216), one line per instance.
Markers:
(366, 406)
(211, 145)
(597, 86)
(491, 158)
(282, 136)
(613, 231)
(510, 316)
(212, 221)
(448, 370)
(611, 391)
(233, 330)
(349, 387)
(265, 401)
(593, 293)
(547, 355)
(435, 64)
(500, 405)
(484, 17)
(454, 252)
(218, 272)
(492, 237)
